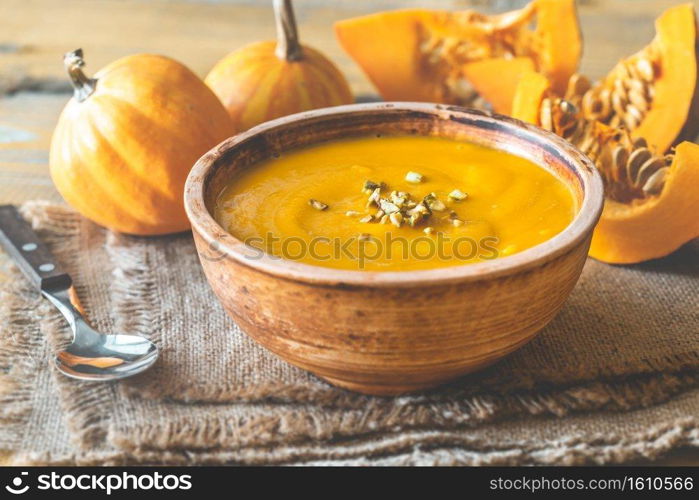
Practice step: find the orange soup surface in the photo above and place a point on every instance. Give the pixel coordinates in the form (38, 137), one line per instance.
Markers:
(394, 204)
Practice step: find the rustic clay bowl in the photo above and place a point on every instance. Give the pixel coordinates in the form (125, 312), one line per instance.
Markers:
(392, 332)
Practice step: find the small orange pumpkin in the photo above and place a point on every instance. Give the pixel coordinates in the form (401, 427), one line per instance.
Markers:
(126, 141)
(266, 80)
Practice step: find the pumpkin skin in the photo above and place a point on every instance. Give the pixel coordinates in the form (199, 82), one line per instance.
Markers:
(255, 85)
(267, 80)
(122, 155)
(393, 50)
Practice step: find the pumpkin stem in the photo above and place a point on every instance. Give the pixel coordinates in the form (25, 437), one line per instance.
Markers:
(288, 45)
(84, 86)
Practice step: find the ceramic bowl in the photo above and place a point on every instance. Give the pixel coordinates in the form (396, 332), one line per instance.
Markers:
(389, 333)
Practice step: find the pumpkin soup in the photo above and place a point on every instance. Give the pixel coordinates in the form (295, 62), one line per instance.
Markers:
(394, 204)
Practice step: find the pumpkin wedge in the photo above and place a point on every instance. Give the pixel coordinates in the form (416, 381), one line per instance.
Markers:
(654, 93)
(493, 79)
(652, 198)
(453, 57)
(653, 227)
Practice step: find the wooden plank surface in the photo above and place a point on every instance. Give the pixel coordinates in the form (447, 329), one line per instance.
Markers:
(35, 33)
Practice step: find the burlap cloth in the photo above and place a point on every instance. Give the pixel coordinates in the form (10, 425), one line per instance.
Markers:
(614, 378)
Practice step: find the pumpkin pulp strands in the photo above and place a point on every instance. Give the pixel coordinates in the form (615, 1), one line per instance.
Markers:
(82, 85)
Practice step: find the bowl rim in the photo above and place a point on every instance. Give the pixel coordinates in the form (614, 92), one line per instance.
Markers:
(228, 246)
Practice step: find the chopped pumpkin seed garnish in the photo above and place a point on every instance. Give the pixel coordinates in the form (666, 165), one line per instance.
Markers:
(374, 197)
(399, 197)
(366, 219)
(318, 205)
(458, 195)
(388, 207)
(399, 207)
(420, 208)
(364, 237)
(414, 177)
(434, 203)
(396, 219)
(369, 186)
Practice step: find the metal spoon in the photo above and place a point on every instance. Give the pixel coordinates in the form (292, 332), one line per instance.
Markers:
(92, 355)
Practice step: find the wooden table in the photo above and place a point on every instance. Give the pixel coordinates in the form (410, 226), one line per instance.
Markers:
(35, 33)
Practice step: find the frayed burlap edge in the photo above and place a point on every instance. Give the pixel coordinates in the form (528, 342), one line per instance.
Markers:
(294, 424)
(420, 447)
(20, 340)
(64, 232)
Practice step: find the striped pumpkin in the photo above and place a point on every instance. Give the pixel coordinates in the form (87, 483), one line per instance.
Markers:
(266, 80)
(126, 141)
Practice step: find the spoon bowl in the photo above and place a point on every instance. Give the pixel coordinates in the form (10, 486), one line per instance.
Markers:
(95, 356)
(119, 356)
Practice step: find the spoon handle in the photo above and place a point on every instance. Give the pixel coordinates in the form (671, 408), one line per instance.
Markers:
(31, 255)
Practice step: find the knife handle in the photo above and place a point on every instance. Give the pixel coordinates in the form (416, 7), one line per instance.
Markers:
(31, 255)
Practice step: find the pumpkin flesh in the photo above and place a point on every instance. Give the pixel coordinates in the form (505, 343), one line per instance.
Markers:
(673, 114)
(530, 91)
(494, 77)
